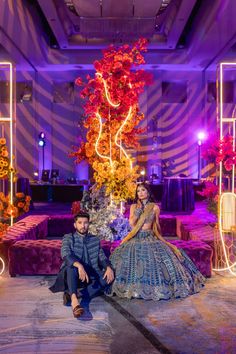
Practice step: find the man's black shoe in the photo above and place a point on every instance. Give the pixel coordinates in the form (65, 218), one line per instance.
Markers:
(66, 299)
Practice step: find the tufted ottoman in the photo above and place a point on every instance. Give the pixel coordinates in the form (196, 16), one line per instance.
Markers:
(39, 257)
(199, 252)
(34, 257)
(59, 225)
(168, 225)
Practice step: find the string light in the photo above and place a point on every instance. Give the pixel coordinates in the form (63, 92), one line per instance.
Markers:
(119, 132)
(10, 120)
(115, 105)
(3, 265)
(97, 141)
(224, 224)
(119, 145)
(222, 229)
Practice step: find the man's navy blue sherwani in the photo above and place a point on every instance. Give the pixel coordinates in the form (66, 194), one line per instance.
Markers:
(86, 250)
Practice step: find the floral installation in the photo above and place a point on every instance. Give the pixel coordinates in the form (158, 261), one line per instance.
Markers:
(5, 168)
(120, 227)
(106, 221)
(20, 206)
(112, 116)
(3, 229)
(211, 193)
(218, 150)
(22, 203)
(100, 222)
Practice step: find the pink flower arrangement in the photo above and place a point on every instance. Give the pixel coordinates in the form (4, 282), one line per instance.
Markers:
(210, 192)
(218, 150)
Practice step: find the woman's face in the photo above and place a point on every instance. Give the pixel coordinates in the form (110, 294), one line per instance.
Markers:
(142, 193)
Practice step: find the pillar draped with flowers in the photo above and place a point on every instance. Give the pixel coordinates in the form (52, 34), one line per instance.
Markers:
(112, 117)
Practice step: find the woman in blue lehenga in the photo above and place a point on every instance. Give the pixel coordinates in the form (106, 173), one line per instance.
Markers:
(146, 265)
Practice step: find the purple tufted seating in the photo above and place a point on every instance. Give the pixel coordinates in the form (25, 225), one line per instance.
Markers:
(168, 225)
(199, 252)
(34, 257)
(30, 228)
(59, 225)
(37, 257)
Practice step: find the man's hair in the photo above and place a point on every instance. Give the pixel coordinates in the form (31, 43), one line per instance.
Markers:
(81, 214)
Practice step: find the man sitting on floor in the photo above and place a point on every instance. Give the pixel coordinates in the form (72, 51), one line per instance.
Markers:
(84, 266)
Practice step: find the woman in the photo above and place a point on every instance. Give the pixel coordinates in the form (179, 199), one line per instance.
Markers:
(146, 265)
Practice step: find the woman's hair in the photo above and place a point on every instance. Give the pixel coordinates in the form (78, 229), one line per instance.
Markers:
(81, 214)
(147, 187)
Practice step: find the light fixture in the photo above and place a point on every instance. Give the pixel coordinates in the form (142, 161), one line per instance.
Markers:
(201, 137)
(41, 135)
(41, 141)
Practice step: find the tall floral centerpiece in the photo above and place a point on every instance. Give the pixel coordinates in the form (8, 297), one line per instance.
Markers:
(112, 116)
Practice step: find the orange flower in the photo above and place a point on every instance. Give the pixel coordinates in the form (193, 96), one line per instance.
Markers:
(2, 141)
(20, 195)
(4, 153)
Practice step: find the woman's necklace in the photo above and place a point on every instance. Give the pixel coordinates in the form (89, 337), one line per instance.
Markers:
(145, 203)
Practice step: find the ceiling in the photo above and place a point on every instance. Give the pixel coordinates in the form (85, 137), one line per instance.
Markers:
(95, 23)
(63, 35)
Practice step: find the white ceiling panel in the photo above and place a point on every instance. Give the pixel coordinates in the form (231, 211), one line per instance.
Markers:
(118, 8)
(88, 8)
(147, 8)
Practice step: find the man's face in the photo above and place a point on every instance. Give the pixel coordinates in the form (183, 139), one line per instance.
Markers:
(82, 225)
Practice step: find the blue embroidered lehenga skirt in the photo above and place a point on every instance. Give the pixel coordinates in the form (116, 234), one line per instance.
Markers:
(147, 268)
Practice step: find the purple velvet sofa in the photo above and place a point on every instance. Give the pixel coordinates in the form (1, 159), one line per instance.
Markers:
(39, 257)
(30, 253)
(30, 228)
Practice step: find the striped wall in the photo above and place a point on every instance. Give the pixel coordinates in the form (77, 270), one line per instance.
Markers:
(168, 147)
(171, 128)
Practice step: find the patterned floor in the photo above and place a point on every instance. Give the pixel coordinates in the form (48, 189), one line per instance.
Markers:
(33, 320)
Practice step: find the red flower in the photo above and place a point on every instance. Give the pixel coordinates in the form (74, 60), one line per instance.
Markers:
(216, 150)
(79, 81)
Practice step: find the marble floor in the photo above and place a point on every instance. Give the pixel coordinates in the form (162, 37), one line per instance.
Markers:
(33, 320)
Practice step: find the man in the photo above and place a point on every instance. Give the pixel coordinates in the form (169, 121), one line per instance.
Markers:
(84, 266)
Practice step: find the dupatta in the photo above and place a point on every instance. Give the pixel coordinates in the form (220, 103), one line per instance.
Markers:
(141, 221)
